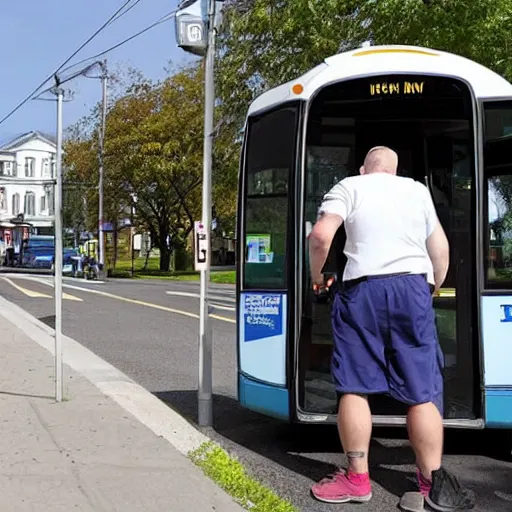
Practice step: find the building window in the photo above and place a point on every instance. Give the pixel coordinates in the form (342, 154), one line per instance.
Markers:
(53, 167)
(45, 168)
(30, 167)
(5, 168)
(43, 204)
(30, 204)
(3, 202)
(15, 204)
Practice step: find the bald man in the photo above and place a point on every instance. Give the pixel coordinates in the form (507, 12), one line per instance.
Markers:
(385, 339)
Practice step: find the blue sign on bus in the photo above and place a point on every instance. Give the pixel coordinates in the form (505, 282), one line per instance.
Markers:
(263, 316)
(507, 313)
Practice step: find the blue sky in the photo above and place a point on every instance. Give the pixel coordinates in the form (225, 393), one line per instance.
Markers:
(37, 36)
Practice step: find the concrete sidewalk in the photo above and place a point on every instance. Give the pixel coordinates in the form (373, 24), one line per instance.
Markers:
(86, 453)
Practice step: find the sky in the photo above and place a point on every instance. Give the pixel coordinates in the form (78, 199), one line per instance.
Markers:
(38, 36)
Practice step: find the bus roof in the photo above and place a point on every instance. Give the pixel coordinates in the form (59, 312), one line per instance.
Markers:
(382, 60)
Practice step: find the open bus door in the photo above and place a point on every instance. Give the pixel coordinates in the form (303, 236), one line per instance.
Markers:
(435, 138)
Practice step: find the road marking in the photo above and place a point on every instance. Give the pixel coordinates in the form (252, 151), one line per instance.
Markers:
(148, 304)
(221, 306)
(33, 294)
(66, 296)
(28, 293)
(123, 299)
(184, 294)
(224, 319)
(210, 297)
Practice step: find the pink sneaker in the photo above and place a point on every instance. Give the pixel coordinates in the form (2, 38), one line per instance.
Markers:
(342, 487)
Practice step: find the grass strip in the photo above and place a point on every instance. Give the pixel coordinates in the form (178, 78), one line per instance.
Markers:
(230, 475)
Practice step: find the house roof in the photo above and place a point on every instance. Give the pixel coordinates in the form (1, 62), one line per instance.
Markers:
(20, 139)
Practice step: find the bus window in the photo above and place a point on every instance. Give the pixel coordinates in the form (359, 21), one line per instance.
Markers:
(498, 194)
(269, 160)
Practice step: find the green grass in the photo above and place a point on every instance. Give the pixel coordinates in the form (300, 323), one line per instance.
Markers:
(123, 270)
(229, 474)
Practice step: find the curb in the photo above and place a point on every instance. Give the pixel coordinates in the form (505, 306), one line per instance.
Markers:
(160, 418)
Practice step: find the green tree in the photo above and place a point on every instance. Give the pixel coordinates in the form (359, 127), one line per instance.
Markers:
(267, 42)
(154, 160)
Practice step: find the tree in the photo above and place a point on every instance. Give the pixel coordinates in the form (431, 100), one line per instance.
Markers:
(154, 160)
(267, 42)
(154, 154)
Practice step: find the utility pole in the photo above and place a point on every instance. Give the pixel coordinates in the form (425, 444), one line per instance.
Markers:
(101, 237)
(59, 383)
(205, 412)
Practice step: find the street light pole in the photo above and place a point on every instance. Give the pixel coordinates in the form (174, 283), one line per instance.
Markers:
(101, 237)
(205, 411)
(59, 384)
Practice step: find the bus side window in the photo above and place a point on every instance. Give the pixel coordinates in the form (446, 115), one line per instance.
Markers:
(498, 193)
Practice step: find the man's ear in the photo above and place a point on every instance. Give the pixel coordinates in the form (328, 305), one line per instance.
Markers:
(361, 170)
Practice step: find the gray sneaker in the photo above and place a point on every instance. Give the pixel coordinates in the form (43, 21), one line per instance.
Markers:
(447, 495)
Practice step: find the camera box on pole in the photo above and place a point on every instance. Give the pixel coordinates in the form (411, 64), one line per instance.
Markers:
(192, 25)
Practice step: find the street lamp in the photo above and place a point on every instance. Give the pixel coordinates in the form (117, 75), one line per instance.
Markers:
(58, 92)
(195, 33)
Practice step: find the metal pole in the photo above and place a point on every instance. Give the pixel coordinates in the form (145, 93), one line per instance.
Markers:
(101, 236)
(205, 412)
(59, 384)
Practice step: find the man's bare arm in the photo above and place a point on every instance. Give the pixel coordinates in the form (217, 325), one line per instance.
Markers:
(439, 253)
(320, 241)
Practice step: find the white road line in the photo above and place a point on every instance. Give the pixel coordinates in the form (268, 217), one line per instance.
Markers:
(196, 296)
(220, 306)
(184, 294)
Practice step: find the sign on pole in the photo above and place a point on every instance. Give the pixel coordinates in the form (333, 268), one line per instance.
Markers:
(201, 246)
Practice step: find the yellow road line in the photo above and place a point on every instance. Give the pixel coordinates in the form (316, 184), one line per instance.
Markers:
(224, 319)
(149, 304)
(116, 297)
(28, 293)
(66, 296)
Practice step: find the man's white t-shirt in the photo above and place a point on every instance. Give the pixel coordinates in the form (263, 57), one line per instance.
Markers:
(387, 219)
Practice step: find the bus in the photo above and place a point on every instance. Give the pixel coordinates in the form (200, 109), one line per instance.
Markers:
(450, 121)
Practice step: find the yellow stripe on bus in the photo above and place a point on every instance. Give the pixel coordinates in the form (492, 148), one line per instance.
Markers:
(395, 50)
(446, 292)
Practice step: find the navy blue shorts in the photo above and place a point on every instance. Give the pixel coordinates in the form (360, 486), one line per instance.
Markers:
(385, 340)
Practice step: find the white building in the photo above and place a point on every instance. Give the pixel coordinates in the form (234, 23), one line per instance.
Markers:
(27, 172)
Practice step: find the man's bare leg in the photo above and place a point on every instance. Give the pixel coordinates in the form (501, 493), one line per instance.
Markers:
(425, 428)
(355, 429)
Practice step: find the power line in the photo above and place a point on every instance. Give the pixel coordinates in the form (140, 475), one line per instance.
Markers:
(163, 19)
(112, 18)
(125, 12)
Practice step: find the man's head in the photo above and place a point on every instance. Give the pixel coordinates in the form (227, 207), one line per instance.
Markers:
(380, 159)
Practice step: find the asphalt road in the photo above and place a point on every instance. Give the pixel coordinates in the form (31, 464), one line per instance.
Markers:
(148, 329)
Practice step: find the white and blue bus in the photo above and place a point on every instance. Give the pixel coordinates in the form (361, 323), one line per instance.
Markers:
(450, 121)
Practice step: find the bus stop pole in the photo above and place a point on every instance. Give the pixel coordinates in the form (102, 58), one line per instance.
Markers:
(205, 410)
(59, 385)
